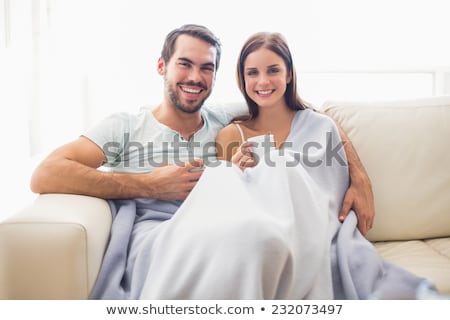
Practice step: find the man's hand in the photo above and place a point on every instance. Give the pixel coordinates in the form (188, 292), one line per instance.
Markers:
(359, 197)
(175, 182)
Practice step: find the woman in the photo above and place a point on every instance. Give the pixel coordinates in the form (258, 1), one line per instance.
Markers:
(306, 170)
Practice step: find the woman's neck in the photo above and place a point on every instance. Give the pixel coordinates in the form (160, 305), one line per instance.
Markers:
(276, 121)
(272, 119)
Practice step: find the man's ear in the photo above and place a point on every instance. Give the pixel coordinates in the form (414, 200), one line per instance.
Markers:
(161, 66)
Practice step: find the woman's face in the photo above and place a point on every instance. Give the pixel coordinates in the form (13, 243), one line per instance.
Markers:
(266, 77)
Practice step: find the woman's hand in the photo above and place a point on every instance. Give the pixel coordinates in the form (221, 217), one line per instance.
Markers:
(243, 157)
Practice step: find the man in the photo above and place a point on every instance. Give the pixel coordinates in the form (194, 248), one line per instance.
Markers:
(189, 61)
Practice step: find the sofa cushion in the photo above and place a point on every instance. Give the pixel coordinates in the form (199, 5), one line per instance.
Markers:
(429, 259)
(405, 150)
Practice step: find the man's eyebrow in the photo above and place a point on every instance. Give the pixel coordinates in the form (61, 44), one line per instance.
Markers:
(208, 64)
(184, 59)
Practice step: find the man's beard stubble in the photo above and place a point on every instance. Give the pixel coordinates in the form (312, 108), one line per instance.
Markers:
(174, 98)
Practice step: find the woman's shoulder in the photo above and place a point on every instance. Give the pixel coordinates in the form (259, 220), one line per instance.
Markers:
(317, 116)
(312, 122)
(229, 132)
(227, 140)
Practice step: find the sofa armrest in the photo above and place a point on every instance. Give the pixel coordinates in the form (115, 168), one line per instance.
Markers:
(53, 249)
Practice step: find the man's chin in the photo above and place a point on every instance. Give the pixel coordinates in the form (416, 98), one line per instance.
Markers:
(190, 107)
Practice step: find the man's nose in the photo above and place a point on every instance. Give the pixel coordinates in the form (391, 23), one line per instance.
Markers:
(195, 75)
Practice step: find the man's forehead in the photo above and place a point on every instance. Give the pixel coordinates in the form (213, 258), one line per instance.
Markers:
(194, 49)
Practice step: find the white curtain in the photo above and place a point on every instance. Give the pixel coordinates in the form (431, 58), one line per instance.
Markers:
(16, 95)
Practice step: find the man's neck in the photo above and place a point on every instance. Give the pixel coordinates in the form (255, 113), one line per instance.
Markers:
(186, 124)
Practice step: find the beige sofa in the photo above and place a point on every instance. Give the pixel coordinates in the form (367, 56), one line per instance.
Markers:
(53, 248)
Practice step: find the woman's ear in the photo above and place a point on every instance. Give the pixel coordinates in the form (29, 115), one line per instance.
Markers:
(161, 66)
(289, 78)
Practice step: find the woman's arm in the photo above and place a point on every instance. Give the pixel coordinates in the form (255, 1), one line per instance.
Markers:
(230, 147)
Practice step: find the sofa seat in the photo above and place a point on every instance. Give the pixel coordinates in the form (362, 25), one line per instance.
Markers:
(427, 258)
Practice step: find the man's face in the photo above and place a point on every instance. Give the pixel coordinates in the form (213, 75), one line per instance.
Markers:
(189, 74)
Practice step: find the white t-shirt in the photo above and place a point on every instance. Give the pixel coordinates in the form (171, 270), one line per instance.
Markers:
(137, 143)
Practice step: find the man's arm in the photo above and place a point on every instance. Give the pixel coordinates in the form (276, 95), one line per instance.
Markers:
(72, 168)
(359, 195)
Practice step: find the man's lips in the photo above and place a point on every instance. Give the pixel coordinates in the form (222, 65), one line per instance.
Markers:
(191, 90)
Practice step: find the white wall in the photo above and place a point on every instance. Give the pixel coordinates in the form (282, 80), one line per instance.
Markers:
(103, 53)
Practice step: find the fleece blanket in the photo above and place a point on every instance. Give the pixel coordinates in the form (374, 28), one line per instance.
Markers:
(269, 232)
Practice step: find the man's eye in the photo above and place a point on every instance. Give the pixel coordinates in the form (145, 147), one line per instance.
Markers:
(208, 69)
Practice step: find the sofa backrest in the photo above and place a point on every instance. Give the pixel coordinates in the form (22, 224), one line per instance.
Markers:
(405, 148)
